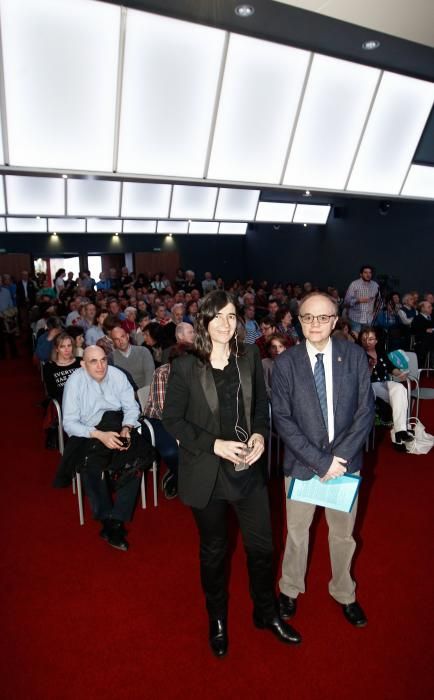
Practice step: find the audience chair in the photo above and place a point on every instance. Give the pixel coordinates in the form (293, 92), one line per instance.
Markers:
(414, 378)
(270, 442)
(153, 469)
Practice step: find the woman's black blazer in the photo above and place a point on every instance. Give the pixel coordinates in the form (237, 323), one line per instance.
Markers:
(191, 414)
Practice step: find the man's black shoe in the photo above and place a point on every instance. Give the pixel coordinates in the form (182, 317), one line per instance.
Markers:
(284, 633)
(403, 436)
(354, 614)
(218, 636)
(287, 606)
(113, 532)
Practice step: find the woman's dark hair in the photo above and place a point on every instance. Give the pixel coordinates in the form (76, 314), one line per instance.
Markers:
(367, 330)
(74, 331)
(211, 305)
(281, 313)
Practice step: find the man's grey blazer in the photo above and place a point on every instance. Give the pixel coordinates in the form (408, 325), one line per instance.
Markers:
(297, 413)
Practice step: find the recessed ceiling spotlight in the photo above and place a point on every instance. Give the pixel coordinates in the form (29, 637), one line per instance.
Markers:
(65, 177)
(305, 225)
(370, 45)
(54, 234)
(37, 217)
(244, 11)
(307, 194)
(116, 234)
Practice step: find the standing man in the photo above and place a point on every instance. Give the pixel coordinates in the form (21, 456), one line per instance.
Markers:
(26, 298)
(323, 409)
(360, 299)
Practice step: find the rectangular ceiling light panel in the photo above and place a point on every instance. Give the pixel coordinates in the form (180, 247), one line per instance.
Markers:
(233, 228)
(2, 224)
(35, 195)
(237, 205)
(60, 60)
(279, 212)
(95, 225)
(142, 199)
(172, 227)
(171, 73)
(136, 226)
(203, 227)
(419, 182)
(190, 202)
(311, 214)
(398, 117)
(335, 106)
(90, 197)
(31, 225)
(67, 225)
(257, 108)
(2, 158)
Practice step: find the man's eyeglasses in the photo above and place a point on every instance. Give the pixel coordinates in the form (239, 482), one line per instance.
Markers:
(322, 318)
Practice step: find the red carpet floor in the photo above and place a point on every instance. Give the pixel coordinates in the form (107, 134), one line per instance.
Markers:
(81, 620)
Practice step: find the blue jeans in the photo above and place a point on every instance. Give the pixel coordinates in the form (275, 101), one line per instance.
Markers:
(165, 444)
(98, 493)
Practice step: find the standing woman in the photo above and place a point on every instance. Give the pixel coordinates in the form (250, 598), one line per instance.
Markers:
(216, 407)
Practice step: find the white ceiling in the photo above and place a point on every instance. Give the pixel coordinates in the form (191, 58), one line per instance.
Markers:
(406, 19)
(90, 88)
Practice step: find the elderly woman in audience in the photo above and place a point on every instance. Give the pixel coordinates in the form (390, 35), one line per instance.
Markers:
(392, 392)
(343, 330)
(130, 324)
(283, 321)
(276, 344)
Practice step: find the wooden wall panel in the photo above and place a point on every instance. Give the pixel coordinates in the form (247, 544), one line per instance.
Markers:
(151, 263)
(14, 263)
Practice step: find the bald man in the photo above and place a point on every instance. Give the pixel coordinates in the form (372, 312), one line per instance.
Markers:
(100, 411)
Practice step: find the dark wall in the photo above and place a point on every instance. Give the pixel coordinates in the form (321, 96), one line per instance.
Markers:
(222, 255)
(399, 244)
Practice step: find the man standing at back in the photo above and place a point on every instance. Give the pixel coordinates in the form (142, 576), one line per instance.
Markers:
(360, 299)
(323, 409)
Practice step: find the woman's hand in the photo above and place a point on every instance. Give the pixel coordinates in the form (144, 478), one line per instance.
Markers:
(257, 443)
(230, 450)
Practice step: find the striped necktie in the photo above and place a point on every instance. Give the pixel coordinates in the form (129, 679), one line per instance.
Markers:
(319, 376)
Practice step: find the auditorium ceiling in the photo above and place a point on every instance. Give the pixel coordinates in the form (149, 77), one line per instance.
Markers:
(186, 117)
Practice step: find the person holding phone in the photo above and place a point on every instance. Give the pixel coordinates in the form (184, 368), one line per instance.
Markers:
(216, 408)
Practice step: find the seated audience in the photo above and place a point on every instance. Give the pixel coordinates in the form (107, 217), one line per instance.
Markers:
(100, 414)
(276, 344)
(137, 360)
(96, 331)
(389, 391)
(62, 364)
(268, 328)
(423, 329)
(44, 344)
(208, 283)
(164, 442)
(343, 330)
(253, 332)
(283, 320)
